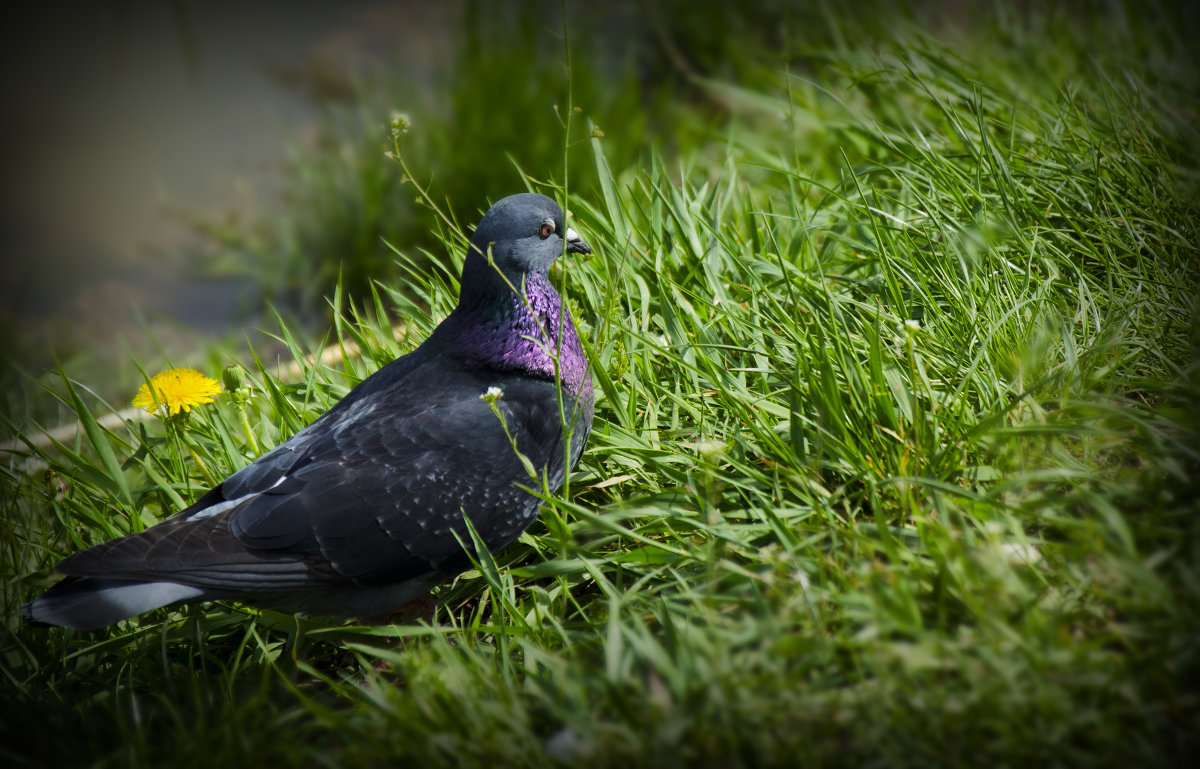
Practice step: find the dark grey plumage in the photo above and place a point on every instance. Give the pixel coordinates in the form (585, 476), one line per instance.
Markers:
(358, 513)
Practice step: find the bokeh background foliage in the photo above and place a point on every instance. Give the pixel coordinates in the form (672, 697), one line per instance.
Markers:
(893, 323)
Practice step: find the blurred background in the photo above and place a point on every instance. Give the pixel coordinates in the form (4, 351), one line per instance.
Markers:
(145, 141)
(171, 168)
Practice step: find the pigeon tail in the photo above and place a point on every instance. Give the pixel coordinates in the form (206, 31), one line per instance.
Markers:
(88, 603)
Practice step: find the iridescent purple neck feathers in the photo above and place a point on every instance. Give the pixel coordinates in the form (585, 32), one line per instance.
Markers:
(494, 327)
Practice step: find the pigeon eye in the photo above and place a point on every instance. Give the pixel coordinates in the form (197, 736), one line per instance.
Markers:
(547, 229)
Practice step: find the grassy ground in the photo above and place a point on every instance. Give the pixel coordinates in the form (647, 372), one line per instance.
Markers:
(894, 463)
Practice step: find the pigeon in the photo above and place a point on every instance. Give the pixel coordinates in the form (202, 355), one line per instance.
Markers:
(365, 509)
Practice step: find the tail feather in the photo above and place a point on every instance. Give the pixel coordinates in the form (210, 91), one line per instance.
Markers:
(87, 603)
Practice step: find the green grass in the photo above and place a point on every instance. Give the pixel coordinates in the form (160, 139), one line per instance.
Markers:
(894, 462)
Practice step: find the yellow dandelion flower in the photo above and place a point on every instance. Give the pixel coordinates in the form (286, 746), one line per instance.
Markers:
(176, 390)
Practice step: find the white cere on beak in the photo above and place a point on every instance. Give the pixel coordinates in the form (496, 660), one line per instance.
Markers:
(572, 235)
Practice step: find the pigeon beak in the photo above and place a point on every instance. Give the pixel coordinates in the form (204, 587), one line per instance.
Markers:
(575, 244)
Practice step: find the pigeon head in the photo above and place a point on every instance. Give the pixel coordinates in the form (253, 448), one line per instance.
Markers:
(524, 234)
(509, 317)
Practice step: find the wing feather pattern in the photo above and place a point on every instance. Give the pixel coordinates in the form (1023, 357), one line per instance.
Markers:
(375, 498)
